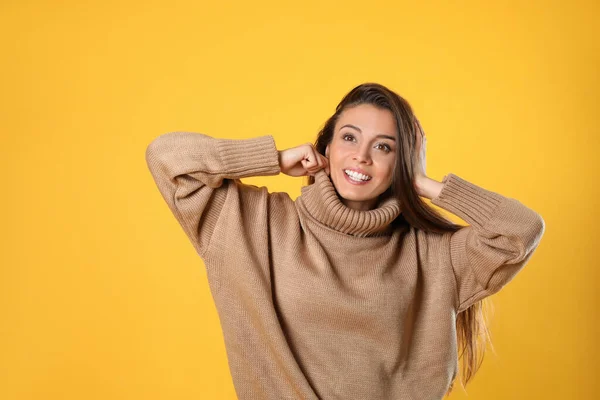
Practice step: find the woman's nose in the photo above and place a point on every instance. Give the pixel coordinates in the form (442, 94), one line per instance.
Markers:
(363, 155)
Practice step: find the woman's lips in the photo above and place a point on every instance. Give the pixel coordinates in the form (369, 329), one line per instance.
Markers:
(359, 183)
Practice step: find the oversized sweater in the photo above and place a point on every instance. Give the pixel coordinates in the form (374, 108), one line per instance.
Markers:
(320, 301)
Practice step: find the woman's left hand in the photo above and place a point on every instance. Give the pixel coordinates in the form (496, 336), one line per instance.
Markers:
(425, 186)
(420, 174)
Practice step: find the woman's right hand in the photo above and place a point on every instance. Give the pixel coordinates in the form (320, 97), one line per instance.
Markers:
(302, 160)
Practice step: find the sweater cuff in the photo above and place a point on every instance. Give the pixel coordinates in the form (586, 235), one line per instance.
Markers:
(256, 156)
(474, 204)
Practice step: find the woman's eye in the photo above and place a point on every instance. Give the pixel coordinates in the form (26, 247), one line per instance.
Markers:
(347, 136)
(385, 147)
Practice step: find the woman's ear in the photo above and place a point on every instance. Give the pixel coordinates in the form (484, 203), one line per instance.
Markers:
(327, 151)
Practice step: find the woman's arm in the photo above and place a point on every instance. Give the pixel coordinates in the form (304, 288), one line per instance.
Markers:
(500, 239)
(192, 172)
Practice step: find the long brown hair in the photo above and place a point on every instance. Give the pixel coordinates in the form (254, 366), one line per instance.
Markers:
(471, 325)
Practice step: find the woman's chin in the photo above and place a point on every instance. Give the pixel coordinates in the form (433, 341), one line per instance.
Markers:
(350, 192)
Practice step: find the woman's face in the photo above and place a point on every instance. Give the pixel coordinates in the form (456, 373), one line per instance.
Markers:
(362, 155)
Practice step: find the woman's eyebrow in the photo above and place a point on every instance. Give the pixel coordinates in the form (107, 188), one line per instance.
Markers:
(378, 136)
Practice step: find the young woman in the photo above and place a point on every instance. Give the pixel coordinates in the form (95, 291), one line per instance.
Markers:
(357, 289)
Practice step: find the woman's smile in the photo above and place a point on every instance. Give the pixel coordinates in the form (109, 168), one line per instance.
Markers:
(356, 178)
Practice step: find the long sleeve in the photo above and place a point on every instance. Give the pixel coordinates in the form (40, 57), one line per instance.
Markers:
(500, 239)
(193, 171)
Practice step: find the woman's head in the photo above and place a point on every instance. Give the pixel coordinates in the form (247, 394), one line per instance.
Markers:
(362, 154)
(371, 132)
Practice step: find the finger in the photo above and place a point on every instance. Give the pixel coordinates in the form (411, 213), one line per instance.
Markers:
(313, 160)
(310, 169)
(306, 165)
(319, 159)
(325, 162)
(419, 128)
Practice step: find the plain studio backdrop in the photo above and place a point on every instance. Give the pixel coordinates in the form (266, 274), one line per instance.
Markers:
(102, 296)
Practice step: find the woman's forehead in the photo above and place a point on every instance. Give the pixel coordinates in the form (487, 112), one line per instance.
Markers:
(368, 119)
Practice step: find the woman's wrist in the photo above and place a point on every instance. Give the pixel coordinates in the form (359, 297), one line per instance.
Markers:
(427, 187)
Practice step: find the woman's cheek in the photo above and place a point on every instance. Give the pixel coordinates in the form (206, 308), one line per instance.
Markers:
(390, 176)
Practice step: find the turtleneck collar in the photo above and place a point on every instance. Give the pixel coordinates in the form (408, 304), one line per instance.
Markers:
(323, 203)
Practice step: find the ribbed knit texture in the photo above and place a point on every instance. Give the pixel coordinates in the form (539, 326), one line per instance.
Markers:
(324, 204)
(320, 301)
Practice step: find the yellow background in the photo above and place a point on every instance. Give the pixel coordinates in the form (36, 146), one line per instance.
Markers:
(101, 294)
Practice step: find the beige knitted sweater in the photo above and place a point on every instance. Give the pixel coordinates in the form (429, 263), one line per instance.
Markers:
(320, 301)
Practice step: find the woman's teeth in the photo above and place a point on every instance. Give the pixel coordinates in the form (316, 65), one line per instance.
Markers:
(356, 176)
